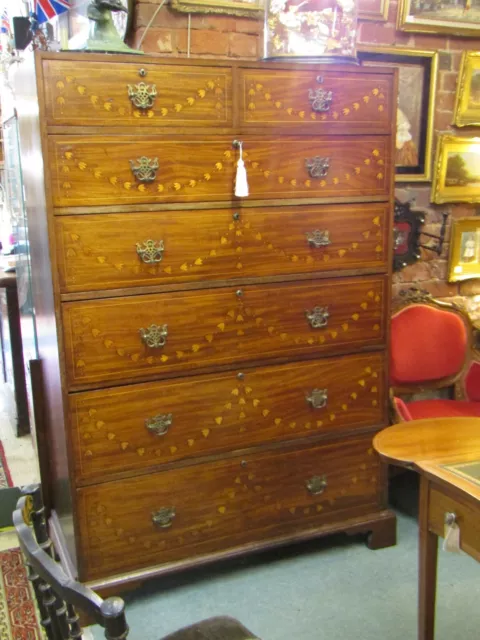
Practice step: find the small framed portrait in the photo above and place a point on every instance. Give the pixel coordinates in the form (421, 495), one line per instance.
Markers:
(457, 170)
(467, 104)
(407, 228)
(460, 17)
(464, 259)
(417, 81)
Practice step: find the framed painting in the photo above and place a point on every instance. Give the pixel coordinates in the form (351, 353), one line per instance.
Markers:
(245, 8)
(467, 103)
(457, 17)
(457, 170)
(374, 10)
(417, 81)
(464, 258)
(407, 225)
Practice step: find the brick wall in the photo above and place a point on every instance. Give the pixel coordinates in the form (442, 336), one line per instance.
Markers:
(230, 37)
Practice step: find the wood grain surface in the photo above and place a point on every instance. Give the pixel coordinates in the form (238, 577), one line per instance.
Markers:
(222, 326)
(98, 252)
(96, 170)
(88, 93)
(223, 504)
(221, 412)
(282, 100)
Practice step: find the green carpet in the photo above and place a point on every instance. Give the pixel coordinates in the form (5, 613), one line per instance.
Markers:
(332, 589)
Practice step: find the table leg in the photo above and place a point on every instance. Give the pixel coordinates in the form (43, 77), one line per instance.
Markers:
(427, 579)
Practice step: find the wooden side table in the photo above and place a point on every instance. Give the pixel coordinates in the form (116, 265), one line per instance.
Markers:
(12, 354)
(446, 454)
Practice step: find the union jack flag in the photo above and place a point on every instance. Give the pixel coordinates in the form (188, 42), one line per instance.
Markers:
(5, 24)
(48, 9)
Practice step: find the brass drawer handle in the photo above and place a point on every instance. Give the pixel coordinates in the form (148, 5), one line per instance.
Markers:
(316, 485)
(317, 167)
(318, 238)
(159, 424)
(151, 251)
(145, 170)
(155, 336)
(318, 318)
(318, 398)
(163, 518)
(142, 95)
(320, 99)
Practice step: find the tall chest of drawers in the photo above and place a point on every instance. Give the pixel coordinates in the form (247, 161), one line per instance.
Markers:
(215, 367)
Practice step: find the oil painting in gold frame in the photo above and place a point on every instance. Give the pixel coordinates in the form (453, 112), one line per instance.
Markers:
(457, 170)
(467, 103)
(417, 81)
(437, 16)
(464, 259)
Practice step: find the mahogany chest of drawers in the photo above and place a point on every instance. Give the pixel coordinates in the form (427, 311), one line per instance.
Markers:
(215, 367)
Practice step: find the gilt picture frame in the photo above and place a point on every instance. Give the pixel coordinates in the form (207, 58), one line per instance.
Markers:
(369, 10)
(439, 16)
(242, 8)
(416, 106)
(467, 102)
(457, 170)
(464, 256)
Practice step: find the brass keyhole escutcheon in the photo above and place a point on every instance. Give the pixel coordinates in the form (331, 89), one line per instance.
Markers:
(142, 73)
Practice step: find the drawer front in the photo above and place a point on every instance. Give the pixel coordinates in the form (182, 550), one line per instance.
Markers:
(128, 170)
(243, 500)
(110, 251)
(466, 511)
(317, 100)
(136, 94)
(191, 331)
(130, 428)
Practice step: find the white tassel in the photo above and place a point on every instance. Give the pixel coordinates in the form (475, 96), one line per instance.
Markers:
(241, 184)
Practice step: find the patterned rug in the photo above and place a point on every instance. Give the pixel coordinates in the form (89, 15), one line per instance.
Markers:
(5, 477)
(18, 616)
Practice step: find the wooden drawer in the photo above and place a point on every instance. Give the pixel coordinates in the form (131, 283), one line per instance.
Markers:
(467, 518)
(93, 93)
(131, 428)
(319, 100)
(94, 170)
(100, 251)
(247, 499)
(103, 340)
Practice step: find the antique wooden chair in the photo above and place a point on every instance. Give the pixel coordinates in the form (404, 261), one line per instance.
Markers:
(58, 595)
(431, 350)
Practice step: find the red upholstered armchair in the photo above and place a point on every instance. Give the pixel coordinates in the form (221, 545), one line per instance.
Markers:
(431, 349)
